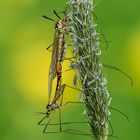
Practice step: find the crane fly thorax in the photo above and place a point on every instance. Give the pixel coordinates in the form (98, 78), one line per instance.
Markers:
(60, 25)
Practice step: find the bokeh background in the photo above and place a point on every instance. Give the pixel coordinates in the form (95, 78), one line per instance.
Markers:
(24, 63)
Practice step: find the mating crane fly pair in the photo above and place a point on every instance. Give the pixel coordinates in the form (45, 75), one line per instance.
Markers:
(58, 51)
(55, 70)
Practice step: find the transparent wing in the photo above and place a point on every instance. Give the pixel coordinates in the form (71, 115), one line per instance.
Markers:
(52, 71)
(59, 93)
(51, 76)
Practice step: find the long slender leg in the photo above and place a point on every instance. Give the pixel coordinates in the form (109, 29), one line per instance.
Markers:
(56, 14)
(62, 97)
(97, 103)
(119, 112)
(69, 69)
(42, 120)
(48, 18)
(39, 113)
(64, 11)
(66, 123)
(70, 102)
(115, 68)
(76, 132)
(60, 119)
(75, 88)
(46, 126)
(104, 39)
(69, 58)
(49, 47)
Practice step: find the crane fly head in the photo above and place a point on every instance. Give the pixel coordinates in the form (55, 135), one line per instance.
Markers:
(61, 25)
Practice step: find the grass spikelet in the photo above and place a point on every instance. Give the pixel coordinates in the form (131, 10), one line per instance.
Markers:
(89, 69)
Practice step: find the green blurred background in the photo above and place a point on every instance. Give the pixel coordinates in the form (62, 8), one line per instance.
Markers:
(24, 64)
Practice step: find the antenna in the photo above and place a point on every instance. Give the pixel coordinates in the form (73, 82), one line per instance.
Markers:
(48, 18)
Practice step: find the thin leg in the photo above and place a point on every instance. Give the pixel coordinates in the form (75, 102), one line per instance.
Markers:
(49, 47)
(64, 123)
(115, 68)
(58, 93)
(69, 69)
(77, 132)
(69, 58)
(105, 40)
(42, 120)
(46, 126)
(94, 16)
(71, 131)
(63, 88)
(39, 113)
(64, 11)
(60, 119)
(56, 14)
(48, 18)
(75, 88)
(119, 112)
(70, 102)
(104, 114)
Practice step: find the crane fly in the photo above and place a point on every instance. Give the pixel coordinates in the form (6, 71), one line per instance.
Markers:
(55, 69)
(58, 52)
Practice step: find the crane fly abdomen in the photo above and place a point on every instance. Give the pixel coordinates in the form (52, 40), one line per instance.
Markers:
(58, 52)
